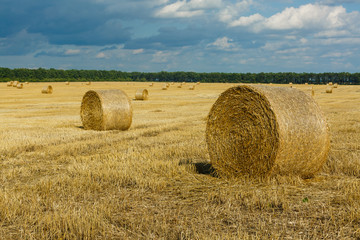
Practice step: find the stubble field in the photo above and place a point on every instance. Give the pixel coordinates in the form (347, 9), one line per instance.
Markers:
(154, 181)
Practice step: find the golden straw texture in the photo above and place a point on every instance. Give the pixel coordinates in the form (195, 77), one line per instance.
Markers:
(106, 110)
(141, 94)
(47, 89)
(255, 130)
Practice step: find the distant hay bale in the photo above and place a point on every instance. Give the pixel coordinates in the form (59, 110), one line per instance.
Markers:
(9, 84)
(15, 83)
(180, 85)
(164, 87)
(168, 85)
(197, 83)
(141, 94)
(67, 83)
(330, 84)
(88, 83)
(329, 89)
(335, 85)
(306, 83)
(192, 87)
(257, 130)
(47, 89)
(151, 84)
(106, 110)
(20, 85)
(26, 82)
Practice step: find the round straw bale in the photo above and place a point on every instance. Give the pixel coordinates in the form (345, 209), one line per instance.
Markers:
(88, 83)
(9, 84)
(335, 85)
(20, 85)
(330, 83)
(26, 82)
(47, 89)
(106, 110)
(257, 130)
(15, 83)
(164, 87)
(141, 94)
(180, 85)
(67, 83)
(329, 89)
(151, 84)
(192, 87)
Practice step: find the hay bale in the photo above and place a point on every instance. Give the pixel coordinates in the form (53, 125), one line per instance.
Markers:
(330, 84)
(9, 84)
(180, 85)
(197, 83)
(256, 130)
(19, 86)
(151, 84)
(335, 85)
(67, 83)
(26, 82)
(141, 94)
(164, 87)
(192, 87)
(106, 110)
(329, 89)
(47, 89)
(88, 83)
(15, 83)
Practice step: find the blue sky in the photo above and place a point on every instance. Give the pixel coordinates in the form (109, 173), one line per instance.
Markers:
(181, 35)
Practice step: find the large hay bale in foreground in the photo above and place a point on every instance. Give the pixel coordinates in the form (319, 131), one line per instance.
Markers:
(106, 110)
(142, 94)
(255, 130)
(47, 89)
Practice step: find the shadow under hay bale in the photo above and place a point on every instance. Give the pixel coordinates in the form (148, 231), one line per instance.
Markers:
(47, 90)
(200, 167)
(106, 110)
(257, 130)
(142, 94)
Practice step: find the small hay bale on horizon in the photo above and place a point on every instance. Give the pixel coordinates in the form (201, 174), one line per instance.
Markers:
(329, 89)
(141, 94)
(151, 84)
(15, 83)
(179, 86)
(268, 131)
(88, 83)
(67, 83)
(335, 85)
(47, 90)
(106, 110)
(9, 84)
(164, 87)
(192, 87)
(19, 85)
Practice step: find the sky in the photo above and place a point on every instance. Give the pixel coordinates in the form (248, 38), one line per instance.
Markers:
(181, 35)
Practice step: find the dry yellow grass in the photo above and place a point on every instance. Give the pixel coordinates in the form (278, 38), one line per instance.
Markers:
(153, 181)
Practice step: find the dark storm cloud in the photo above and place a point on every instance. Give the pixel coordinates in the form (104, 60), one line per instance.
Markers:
(75, 22)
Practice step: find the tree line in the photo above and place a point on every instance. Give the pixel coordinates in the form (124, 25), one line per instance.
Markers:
(44, 75)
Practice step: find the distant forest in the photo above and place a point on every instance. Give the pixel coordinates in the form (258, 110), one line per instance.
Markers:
(52, 75)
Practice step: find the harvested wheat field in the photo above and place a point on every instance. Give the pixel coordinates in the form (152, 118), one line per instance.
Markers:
(154, 180)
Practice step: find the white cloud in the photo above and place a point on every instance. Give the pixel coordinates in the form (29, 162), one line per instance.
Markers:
(71, 52)
(247, 21)
(101, 55)
(222, 43)
(163, 56)
(187, 9)
(138, 51)
(306, 17)
(231, 11)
